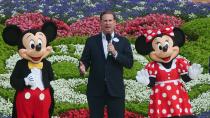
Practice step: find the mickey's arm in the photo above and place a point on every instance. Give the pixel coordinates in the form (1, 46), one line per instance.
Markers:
(50, 78)
(16, 78)
(50, 71)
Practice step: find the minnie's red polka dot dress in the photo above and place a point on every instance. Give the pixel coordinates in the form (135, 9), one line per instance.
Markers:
(169, 97)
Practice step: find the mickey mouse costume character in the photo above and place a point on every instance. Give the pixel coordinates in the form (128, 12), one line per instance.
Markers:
(32, 74)
(169, 97)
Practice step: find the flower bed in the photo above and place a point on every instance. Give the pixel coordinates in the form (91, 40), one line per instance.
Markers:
(130, 13)
(70, 11)
(28, 21)
(91, 25)
(137, 95)
(84, 113)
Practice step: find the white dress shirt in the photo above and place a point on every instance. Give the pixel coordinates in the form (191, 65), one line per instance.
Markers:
(38, 79)
(105, 43)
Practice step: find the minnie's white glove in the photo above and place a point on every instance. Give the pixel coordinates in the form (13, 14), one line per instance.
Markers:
(30, 80)
(143, 77)
(194, 71)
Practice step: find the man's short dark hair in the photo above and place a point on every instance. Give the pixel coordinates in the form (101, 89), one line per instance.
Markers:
(108, 12)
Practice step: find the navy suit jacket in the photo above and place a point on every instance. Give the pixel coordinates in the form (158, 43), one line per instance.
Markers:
(106, 72)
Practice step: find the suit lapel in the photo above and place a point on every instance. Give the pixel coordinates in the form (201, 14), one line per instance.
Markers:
(100, 44)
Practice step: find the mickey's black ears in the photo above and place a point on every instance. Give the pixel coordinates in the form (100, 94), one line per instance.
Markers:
(50, 31)
(179, 37)
(142, 47)
(12, 35)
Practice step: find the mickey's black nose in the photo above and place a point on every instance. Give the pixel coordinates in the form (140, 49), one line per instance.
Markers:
(38, 47)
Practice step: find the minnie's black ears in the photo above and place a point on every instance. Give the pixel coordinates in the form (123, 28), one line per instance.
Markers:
(50, 31)
(142, 47)
(12, 35)
(179, 37)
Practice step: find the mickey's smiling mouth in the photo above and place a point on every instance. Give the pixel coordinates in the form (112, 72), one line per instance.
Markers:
(35, 58)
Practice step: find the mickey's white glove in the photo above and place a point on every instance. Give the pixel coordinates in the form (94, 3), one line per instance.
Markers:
(30, 80)
(143, 77)
(194, 71)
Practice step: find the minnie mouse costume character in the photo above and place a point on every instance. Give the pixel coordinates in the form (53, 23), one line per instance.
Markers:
(32, 74)
(169, 97)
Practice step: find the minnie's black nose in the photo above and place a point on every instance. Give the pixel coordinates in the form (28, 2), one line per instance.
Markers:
(165, 48)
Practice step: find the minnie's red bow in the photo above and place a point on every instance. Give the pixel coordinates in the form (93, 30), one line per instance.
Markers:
(151, 34)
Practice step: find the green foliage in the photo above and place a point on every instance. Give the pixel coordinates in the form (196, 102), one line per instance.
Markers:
(197, 52)
(197, 49)
(5, 51)
(71, 48)
(1, 28)
(136, 107)
(65, 70)
(3, 19)
(196, 28)
(131, 73)
(198, 89)
(58, 51)
(140, 108)
(69, 40)
(81, 88)
(61, 107)
(7, 93)
(132, 39)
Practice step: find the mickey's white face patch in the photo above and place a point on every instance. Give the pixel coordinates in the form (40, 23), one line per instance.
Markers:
(35, 46)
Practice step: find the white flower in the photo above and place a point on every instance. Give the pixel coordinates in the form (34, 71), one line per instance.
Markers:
(79, 49)
(201, 103)
(192, 16)
(57, 58)
(11, 62)
(63, 48)
(177, 12)
(6, 107)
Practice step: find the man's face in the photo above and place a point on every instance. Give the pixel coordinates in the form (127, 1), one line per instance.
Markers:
(108, 23)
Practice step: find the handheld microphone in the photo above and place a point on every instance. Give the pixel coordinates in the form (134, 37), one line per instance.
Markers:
(108, 38)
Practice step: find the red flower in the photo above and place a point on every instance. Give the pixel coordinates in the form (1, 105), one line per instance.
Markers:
(91, 25)
(84, 113)
(28, 21)
(136, 26)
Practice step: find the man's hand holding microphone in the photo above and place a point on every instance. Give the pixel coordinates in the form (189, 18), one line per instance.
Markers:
(110, 47)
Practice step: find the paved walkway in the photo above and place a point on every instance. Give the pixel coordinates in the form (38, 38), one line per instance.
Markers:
(205, 115)
(203, 1)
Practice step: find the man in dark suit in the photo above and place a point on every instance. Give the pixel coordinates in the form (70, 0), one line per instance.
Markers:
(106, 54)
